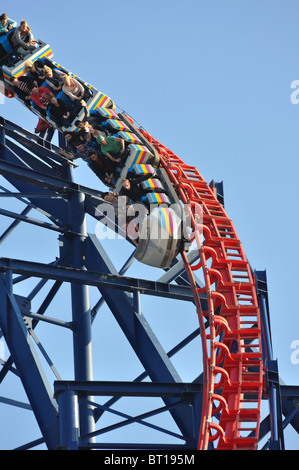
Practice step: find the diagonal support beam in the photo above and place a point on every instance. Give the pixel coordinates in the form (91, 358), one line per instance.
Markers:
(30, 220)
(27, 362)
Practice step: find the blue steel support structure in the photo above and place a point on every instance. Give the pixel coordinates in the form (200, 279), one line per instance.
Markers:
(277, 440)
(27, 363)
(81, 307)
(67, 411)
(283, 400)
(47, 182)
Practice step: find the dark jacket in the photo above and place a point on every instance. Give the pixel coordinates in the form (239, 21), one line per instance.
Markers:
(136, 191)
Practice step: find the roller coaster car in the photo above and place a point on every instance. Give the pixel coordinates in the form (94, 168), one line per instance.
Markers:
(160, 238)
(12, 65)
(95, 100)
(161, 232)
(7, 54)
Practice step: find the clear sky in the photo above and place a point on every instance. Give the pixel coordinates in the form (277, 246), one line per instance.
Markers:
(212, 80)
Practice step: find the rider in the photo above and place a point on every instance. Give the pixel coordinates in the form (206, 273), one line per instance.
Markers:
(23, 39)
(112, 147)
(6, 24)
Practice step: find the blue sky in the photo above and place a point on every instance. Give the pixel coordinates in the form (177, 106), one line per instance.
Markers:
(212, 81)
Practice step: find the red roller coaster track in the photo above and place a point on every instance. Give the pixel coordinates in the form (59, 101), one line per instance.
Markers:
(232, 351)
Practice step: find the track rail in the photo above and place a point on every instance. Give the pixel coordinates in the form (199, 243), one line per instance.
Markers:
(232, 350)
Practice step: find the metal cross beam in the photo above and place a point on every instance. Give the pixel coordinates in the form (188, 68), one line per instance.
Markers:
(68, 394)
(97, 279)
(127, 389)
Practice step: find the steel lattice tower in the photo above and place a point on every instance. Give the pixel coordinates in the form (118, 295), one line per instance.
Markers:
(70, 409)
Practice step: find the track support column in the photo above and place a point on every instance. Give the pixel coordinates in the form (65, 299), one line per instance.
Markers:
(69, 420)
(276, 441)
(82, 340)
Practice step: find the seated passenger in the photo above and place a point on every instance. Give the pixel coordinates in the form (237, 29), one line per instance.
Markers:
(41, 96)
(95, 131)
(91, 131)
(98, 166)
(61, 111)
(53, 78)
(90, 154)
(98, 122)
(83, 150)
(6, 24)
(22, 39)
(84, 130)
(35, 71)
(120, 209)
(112, 197)
(23, 87)
(126, 214)
(132, 187)
(73, 139)
(112, 147)
(74, 90)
